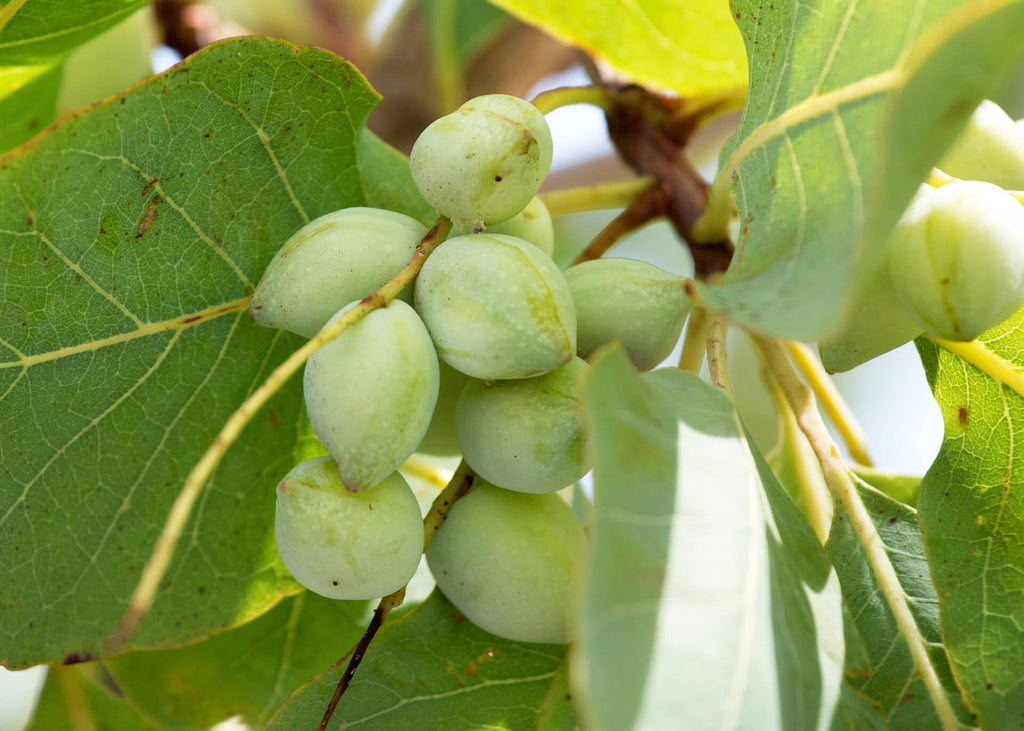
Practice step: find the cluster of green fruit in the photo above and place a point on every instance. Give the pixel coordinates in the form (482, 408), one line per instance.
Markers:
(483, 358)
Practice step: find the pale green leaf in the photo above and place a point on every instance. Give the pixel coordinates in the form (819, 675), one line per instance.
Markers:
(247, 672)
(131, 237)
(879, 669)
(709, 603)
(690, 48)
(850, 104)
(433, 669)
(972, 516)
(34, 37)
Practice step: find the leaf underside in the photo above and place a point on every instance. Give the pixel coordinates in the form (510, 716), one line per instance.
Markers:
(131, 236)
(850, 104)
(972, 515)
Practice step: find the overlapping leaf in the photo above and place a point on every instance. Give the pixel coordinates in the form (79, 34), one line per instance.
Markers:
(131, 237)
(709, 603)
(879, 669)
(433, 669)
(34, 36)
(972, 516)
(690, 48)
(850, 104)
(245, 673)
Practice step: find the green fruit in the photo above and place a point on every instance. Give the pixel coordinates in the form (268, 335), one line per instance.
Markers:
(956, 259)
(509, 562)
(371, 391)
(336, 259)
(525, 435)
(532, 224)
(496, 307)
(991, 148)
(346, 545)
(440, 440)
(638, 304)
(876, 320)
(483, 163)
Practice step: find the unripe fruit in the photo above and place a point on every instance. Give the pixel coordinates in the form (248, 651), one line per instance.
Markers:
(638, 304)
(336, 259)
(370, 393)
(956, 259)
(496, 307)
(509, 562)
(346, 545)
(525, 435)
(483, 162)
(991, 148)
(532, 224)
(440, 440)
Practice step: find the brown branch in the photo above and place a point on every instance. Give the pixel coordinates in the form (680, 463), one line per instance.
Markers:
(648, 131)
(458, 486)
(177, 27)
(649, 205)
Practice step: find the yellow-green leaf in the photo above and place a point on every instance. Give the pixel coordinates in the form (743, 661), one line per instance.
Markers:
(691, 48)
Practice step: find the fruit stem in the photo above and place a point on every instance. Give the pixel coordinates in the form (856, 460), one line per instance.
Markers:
(840, 484)
(835, 406)
(810, 482)
(618, 194)
(644, 209)
(695, 341)
(141, 600)
(436, 476)
(548, 101)
(981, 357)
(458, 486)
(716, 356)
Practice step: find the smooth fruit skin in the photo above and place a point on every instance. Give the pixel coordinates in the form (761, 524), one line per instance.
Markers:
(636, 303)
(340, 257)
(483, 163)
(991, 148)
(496, 307)
(440, 440)
(346, 545)
(509, 562)
(956, 259)
(525, 435)
(371, 391)
(532, 224)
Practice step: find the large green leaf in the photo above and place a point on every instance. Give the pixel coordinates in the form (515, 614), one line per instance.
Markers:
(433, 669)
(131, 237)
(253, 668)
(709, 602)
(690, 48)
(34, 36)
(850, 104)
(972, 515)
(76, 697)
(879, 669)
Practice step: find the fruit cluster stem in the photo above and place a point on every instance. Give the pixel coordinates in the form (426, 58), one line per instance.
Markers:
(618, 194)
(695, 341)
(548, 101)
(840, 484)
(832, 401)
(141, 600)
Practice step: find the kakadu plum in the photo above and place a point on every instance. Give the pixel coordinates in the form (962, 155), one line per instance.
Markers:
(483, 163)
(371, 391)
(340, 257)
(510, 562)
(347, 545)
(496, 307)
(525, 435)
(956, 259)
